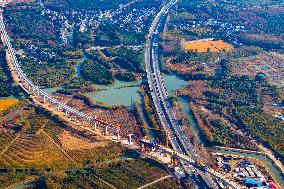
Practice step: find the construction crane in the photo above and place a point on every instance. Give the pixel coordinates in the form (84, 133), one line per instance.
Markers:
(167, 135)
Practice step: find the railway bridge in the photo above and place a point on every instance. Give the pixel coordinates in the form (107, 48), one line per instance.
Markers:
(30, 87)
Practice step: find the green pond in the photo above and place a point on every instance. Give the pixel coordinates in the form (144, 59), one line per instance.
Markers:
(173, 83)
(119, 93)
(51, 90)
(125, 93)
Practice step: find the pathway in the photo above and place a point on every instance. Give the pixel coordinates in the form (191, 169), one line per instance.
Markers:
(154, 182)
(11, 143)
(60, 148)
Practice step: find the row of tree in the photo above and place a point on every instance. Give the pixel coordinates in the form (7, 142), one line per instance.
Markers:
(6, 87)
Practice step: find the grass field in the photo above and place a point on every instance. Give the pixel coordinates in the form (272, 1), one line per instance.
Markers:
(207, 46)
(6, 103)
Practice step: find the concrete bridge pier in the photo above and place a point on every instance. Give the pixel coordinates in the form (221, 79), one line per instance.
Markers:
(58, 108)
(130, 139)
(95, 126)
(21, 79)
(27, 84)
(106, 130)
(117, 135)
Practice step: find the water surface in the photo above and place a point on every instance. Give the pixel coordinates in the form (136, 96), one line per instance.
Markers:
(120, 93)
(51, 90)
(173, 83)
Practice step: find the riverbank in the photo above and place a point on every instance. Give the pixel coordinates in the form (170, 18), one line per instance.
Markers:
(274, 165)
(277, 163)
(270, 167)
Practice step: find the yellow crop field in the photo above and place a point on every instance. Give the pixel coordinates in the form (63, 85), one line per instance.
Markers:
(204, 46)
(6, 103)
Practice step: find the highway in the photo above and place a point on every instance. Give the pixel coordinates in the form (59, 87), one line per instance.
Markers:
(177, 137)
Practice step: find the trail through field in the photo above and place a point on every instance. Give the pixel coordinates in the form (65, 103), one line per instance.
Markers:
(29, 182)
(11, 143)
(107, 183)
(60, 148)
(154, 182)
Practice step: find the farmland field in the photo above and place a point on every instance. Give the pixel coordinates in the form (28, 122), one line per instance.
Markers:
(35, 143)
(33, 150)
(131, 173)
(6, 103)
(207, 46)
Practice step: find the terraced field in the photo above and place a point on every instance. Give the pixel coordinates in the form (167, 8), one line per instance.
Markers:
(33, 150)
(168, 183)
(37, 140)
(97, 155)
(5, 138)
